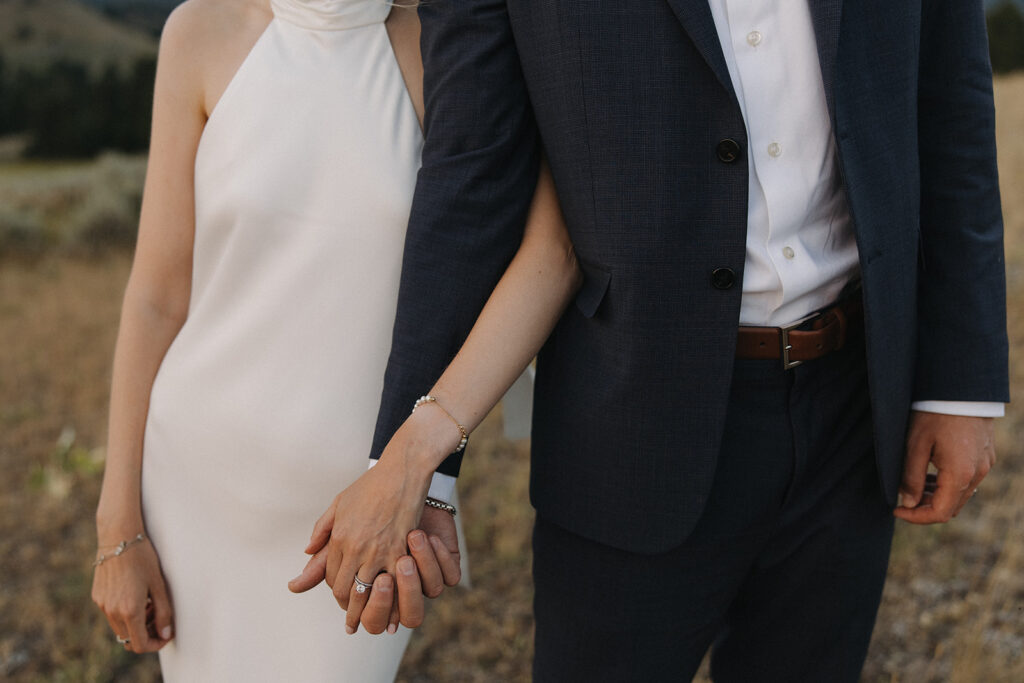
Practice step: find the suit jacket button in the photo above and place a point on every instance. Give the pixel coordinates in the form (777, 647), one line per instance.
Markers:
(723, 278)
(728, 150)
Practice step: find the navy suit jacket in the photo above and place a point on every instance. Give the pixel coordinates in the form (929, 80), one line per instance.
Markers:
(630, 100)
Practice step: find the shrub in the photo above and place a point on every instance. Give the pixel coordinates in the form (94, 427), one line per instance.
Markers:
(109, 214)
(21, 231)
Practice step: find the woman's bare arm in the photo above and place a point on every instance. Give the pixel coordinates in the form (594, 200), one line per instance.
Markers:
(519, 315)
(203, 44)
(156, 298)
(155, 307)
(368, 522)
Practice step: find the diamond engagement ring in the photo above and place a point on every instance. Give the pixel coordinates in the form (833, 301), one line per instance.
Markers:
(362, 586)
(123, 641)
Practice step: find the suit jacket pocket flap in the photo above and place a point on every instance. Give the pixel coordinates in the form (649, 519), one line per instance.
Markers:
(595, 285)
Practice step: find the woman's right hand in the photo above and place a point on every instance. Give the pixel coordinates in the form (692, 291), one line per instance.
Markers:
(130, 590)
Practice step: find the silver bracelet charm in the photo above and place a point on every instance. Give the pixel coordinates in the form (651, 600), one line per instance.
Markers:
(120, 548)
(441, 505)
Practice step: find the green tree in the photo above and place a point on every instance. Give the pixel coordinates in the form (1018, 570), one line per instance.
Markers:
(1006, 37)
(70, 114)
(62, 116)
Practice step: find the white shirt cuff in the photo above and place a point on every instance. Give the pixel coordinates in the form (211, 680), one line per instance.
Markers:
(442, 486)
(966, 408)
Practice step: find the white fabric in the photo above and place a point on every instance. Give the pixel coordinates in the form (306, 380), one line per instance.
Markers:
(442, 486)
(965, 408)
(801, 248)
(517, 406)
(800, 243)
(265, 404)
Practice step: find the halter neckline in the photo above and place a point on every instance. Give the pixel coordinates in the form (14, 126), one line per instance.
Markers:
(331, 15)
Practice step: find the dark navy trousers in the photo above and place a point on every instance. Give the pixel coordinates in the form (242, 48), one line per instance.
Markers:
(783, 574)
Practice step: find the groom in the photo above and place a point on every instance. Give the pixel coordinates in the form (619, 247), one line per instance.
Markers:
(788, 219)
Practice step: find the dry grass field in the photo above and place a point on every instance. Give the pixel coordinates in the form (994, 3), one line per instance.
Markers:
(953, 609)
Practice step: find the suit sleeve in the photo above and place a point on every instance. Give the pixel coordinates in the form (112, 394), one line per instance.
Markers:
(962, 342)
(479, 172)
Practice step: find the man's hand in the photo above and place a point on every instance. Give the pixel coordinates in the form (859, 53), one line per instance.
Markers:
(962, 451)
(434, 563)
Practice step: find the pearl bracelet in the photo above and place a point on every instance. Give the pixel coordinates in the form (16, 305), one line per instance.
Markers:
(462, 430)
(119, 548)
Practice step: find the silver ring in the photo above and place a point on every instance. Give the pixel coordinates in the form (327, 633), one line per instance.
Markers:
(362, 586)
(122, 641)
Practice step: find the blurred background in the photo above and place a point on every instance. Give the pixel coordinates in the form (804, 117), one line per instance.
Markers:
(75, 89)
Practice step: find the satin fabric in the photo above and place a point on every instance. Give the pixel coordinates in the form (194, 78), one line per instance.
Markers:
(264, 406)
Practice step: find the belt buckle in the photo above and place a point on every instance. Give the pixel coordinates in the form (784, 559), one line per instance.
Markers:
(784, 345)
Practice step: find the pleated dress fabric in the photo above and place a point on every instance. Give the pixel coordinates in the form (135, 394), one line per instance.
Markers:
(265, 404)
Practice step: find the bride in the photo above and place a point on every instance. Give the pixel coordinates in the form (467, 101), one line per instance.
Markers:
(255, 331)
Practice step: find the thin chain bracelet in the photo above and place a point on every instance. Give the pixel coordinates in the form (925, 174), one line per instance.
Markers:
(462, 430)
(441, 505)
(119, 548)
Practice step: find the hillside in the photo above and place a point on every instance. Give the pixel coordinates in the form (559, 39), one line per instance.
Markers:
(35, 33)
(148, 15)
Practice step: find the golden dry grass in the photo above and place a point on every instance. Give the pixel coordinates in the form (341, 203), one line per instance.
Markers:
(953, 608)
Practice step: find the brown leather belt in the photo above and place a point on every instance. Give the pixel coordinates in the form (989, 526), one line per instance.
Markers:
(807, 339)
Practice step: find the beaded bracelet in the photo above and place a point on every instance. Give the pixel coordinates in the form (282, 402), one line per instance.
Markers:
(119, 548)
(441, 505)
(462, 430)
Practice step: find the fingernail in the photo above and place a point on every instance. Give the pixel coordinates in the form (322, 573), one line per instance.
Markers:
(392, 628)
(166, 633)
(383, 585)
(406, 566)
(416, 540)
(899, 500)
(349, 630)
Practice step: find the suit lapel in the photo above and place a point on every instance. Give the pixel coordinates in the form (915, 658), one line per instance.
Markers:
(695, 16)
(826, 15)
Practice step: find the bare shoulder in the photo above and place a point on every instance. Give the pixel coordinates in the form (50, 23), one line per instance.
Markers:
(204, 42)
(207, 23)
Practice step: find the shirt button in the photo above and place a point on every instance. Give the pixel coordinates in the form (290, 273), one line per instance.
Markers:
(754, 38)
(788, 252)
(774, 150)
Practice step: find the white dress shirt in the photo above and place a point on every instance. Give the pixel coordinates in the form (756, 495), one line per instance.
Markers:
(801, 248)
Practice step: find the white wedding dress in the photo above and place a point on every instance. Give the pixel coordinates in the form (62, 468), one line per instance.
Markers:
(264, 407)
